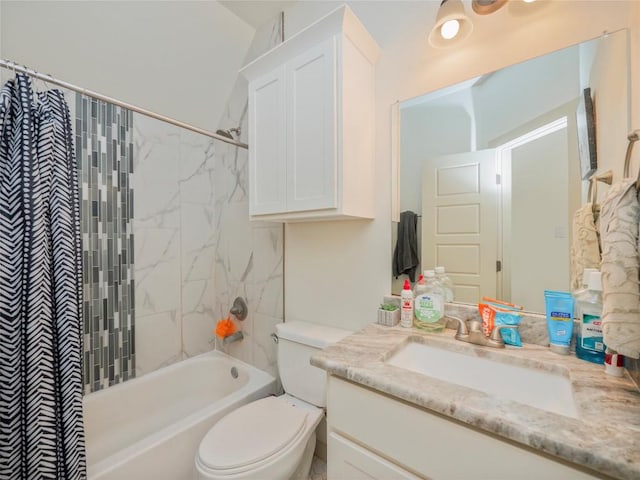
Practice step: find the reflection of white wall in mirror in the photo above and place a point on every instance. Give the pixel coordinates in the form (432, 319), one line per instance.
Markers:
(427, 131)
(539, 258)
(512, 96)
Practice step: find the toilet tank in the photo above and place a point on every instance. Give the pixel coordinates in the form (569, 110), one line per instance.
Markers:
(297, 342)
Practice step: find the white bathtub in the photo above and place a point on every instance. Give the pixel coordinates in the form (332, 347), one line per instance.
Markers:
(150, 427)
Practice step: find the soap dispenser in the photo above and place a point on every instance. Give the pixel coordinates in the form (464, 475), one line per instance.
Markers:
(429, 305)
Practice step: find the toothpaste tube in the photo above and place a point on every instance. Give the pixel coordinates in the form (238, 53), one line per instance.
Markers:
(559, 309)
(501, 304)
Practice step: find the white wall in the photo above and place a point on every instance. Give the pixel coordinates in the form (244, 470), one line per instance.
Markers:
(608, 83)
(336, 273)
(178, 58)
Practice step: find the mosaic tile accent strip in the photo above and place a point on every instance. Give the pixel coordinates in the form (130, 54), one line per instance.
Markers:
(104, 146)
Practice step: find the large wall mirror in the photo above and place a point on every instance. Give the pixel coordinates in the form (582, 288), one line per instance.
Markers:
(492, 168)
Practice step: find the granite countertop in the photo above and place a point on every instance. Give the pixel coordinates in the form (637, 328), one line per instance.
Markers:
(604, 438)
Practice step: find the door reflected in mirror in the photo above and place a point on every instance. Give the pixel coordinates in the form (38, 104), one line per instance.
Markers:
(491, 167)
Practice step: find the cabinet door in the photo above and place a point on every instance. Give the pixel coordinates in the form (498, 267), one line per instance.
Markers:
(349, 460)
(267, 160)
(311, 129)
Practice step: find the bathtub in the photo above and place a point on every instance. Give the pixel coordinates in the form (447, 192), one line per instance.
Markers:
(150, 427)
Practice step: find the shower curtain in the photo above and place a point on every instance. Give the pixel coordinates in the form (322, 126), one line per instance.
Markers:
(41, 427)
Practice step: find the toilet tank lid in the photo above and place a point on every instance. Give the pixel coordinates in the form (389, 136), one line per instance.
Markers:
(312, 334)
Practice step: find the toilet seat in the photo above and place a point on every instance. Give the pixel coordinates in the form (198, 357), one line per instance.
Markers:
(248, 436)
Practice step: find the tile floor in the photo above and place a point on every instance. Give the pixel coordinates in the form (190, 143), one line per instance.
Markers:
(318, 469)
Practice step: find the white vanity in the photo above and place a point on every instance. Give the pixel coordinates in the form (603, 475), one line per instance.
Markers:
(387, 421)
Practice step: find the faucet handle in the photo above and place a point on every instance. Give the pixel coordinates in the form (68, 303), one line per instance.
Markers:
(495, 333)
(463, 329)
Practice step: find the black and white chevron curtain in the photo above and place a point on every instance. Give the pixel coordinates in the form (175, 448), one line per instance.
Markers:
(41, 426)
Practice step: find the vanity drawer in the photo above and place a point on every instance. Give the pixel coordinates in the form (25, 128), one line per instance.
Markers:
(350, 460)
(430, 444)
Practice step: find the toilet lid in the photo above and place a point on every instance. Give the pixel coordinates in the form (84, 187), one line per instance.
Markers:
(251, 433)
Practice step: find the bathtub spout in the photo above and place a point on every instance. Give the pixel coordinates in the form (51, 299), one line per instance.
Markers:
(234, 337)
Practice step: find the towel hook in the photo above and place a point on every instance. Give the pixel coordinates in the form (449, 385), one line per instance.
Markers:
(633, 138)
(592, 194)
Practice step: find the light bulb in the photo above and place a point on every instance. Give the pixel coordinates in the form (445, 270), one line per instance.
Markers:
(529, 1)
(450, 29)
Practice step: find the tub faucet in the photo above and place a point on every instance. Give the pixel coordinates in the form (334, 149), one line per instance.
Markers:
(234, 337)
(471, 332)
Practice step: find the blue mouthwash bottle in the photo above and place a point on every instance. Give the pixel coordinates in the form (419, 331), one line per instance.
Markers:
(589, 345)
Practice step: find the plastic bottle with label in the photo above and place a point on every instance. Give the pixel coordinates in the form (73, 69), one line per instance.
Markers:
(589, 344)
(406, 305)
(429, 305)
(585, 283)
(446, 283)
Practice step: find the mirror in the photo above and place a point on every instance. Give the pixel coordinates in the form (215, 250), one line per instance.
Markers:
(492, 169)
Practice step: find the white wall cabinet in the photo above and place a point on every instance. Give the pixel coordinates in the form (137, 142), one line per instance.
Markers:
(311, 124)
(371, 435)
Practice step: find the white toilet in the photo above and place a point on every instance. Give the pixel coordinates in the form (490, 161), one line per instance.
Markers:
(274, 438)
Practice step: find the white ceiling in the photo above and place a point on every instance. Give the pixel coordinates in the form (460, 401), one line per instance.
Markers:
(257, 12)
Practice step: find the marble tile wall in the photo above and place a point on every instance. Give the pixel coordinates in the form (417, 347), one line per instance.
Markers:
(248, 255)
(195, 249)
(174, 243)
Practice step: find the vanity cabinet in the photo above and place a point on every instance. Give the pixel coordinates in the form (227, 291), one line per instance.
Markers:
(371, 435)
(311, 124)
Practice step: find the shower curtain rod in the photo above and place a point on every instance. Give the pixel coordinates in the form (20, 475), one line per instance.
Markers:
(49, 79)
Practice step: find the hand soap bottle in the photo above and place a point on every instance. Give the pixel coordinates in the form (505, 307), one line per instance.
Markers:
(589, 345)
(429, 305)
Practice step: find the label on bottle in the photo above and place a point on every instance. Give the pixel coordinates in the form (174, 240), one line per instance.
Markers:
(406, 313)
(591, 333)
(429, 307)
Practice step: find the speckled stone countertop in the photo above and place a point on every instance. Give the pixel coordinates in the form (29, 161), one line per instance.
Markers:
(605, 437)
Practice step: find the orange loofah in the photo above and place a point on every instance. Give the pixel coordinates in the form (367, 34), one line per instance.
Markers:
(225, 327)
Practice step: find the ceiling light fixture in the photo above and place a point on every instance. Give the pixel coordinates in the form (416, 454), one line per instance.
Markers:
(452, 24)
(485, 7)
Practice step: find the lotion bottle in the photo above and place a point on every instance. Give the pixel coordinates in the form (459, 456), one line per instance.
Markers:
(406, 302)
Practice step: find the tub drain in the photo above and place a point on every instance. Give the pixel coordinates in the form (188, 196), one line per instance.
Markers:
(234, 372)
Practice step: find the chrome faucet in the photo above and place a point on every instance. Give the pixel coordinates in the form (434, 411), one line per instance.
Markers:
(234, 337)
(471, 332)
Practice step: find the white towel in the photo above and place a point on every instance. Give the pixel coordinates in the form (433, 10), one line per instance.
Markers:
(585, 244)
(619, 224)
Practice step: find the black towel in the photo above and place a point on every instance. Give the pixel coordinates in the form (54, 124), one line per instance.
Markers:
(405, 255)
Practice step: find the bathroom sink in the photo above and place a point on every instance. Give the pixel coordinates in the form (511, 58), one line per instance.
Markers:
(540, 389)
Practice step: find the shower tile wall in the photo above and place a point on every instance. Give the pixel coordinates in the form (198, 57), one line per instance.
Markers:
(104, 153)
(248, 255)
(195, 249)
(174, 243)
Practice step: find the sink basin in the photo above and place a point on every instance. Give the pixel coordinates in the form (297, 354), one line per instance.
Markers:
(540, 389)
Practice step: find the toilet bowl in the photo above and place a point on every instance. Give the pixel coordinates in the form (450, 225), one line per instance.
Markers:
(266, 439)
(274, 438)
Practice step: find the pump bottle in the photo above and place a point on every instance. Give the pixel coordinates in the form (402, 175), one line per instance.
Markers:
(406, 303)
